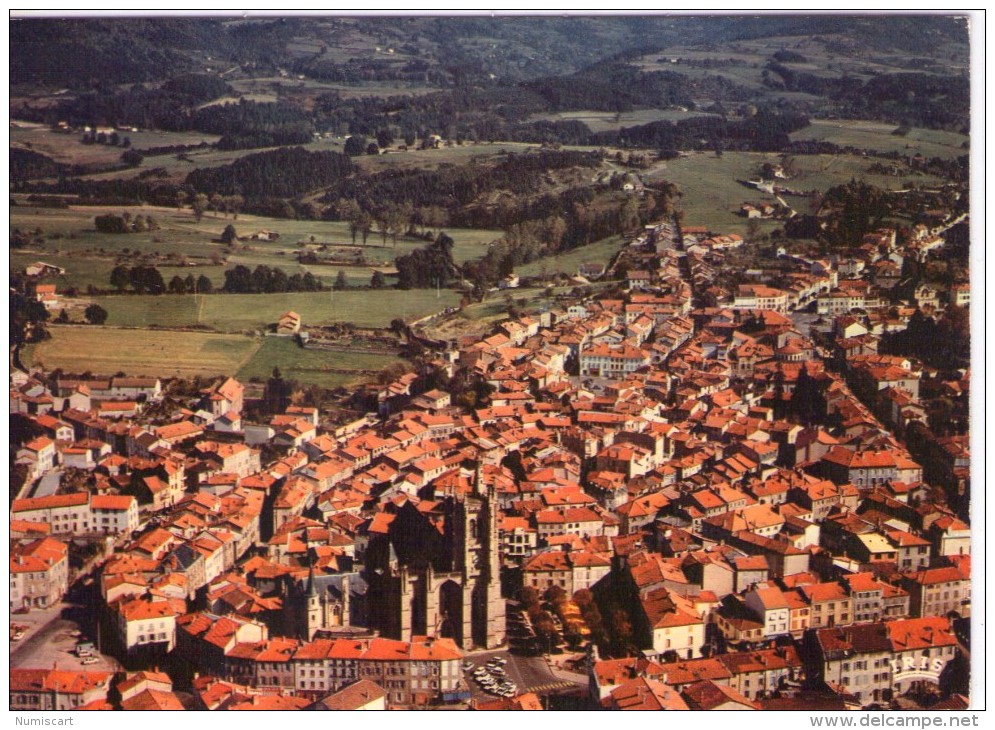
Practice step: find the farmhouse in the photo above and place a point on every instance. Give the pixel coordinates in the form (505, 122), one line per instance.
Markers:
(288, 324)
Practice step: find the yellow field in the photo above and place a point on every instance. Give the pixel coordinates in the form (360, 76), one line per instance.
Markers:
(160, 353)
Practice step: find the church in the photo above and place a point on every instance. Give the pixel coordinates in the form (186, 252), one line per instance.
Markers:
(432, 569)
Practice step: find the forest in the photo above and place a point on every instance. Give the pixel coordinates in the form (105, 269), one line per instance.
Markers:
(282, 173)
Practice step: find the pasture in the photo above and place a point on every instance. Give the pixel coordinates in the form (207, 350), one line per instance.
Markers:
(598, 121)
(569, 262)
(68, 147)
(312, 367)
(183, 245)
(878, 136)
(711, 196)
(254, 312)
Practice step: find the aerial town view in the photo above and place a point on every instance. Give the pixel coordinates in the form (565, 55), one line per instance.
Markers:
(490, 363)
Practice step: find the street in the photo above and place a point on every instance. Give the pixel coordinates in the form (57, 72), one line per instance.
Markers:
(52, 646)
(50, 638)
(530, 674)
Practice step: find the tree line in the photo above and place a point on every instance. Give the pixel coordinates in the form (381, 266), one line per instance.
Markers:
(125, 223)
(147, 279)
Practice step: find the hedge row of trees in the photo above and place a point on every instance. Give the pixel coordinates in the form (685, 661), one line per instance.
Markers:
(125, 223)
(144, 279)
(268, 280)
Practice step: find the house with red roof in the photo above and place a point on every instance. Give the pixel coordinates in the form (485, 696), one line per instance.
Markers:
(113, 514)
(54, 689)
(148, 623)
(673, 625)
(571, 570)
(39, 573)
(939, 591)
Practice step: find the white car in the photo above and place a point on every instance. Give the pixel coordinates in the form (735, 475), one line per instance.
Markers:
(90, 660)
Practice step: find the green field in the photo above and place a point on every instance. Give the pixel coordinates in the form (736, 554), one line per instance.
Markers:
(312, 367)
(165, 353)
(137, 352)
(68, 148)
(598, 121)
(88, 256)
(878, 136)
(254, 312)
(273, 84)
(711, 196)
(569, 262)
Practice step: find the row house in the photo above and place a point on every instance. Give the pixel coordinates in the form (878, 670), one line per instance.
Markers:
(879, 661)
(867, 468)
(757, 296)
(570, 570)
(55, 689)
(581, 521)
(939, 591)
(610, 361)
(146, 623)
(39, 573)
(413, 673)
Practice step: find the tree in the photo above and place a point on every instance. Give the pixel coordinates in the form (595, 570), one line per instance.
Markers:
(120, 277)
(377, 281)
(199, 205)
(365, 224)
(132, 158)
(620, 628)
(752, 230)
(385, 138)
(529, 596)
(340, 281)
(204, 285)
(177, 285)
(147, 279)
(229, 235)
(95, 314)
(583, 598)
(276, 396)
(234, 204)
(355, 145)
